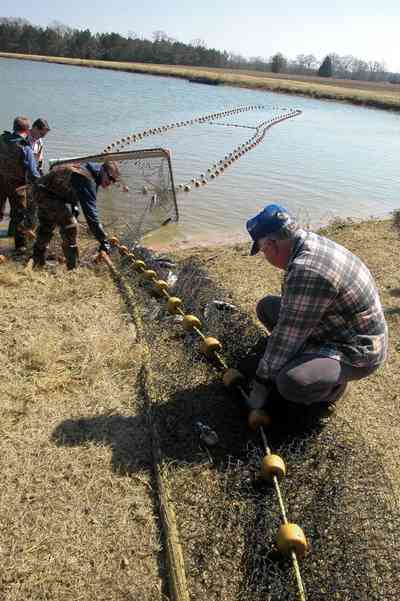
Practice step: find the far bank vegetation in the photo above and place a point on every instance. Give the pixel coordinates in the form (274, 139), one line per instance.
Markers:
(342, 78)
(20, 36)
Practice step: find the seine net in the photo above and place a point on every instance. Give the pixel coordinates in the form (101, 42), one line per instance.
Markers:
(144, 198)
(337, 486)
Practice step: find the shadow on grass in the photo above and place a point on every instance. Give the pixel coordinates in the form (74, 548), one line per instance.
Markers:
(125, 435)
(329, 489)
(224, 411)
(395, 292)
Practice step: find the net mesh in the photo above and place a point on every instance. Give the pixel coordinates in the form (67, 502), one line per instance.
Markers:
(144, 198)
(230, 133)
(336, 488)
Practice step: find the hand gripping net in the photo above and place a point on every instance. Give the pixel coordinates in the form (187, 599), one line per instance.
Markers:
(142, 200)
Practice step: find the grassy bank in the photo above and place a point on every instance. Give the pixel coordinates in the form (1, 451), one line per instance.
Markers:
(383, 96)
(78, 511)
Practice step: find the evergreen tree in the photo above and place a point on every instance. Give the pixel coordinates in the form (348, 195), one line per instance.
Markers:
(326, 68)
(278, 63)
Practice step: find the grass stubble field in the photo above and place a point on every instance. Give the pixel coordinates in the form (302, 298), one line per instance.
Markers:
(78, 502)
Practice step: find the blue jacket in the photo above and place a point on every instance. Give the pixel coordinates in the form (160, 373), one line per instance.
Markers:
(28, 158)
(86, 191)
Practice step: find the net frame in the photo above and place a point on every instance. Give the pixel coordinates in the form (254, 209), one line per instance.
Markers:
(132, 155)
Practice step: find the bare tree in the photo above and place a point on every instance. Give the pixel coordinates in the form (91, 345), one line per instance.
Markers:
(376, 70)
(198, 43)
(17, 21)
(258, 63)
(237, 60)
(304, 63)
(59, 27)
(160, 36)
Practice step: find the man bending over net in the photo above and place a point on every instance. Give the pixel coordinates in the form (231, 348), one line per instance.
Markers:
(58, 196)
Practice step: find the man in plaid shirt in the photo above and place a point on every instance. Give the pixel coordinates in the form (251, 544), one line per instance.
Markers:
(328, 326)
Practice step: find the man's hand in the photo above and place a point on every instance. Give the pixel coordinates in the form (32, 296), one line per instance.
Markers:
(105, 246)
(258, 394)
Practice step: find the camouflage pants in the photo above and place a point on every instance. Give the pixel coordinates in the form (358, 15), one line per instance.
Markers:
(3, 198)
(17, 209)
(54, 213)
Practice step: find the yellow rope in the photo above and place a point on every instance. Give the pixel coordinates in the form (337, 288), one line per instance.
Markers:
(295, 563)
(218, 167)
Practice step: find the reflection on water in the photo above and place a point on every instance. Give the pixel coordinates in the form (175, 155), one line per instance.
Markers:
(333, 160)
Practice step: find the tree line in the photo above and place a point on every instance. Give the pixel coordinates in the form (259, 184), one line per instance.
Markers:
(20, 36)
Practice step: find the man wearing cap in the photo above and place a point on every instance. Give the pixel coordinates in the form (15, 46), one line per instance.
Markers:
(58, 196)
(17, 168)
(328, 326)
(39, 130)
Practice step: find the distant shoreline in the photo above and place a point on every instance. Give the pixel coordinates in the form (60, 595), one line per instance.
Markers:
(367, 94)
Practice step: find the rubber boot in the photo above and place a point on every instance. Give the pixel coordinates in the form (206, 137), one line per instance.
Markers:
(71, 254)
(11, 228)
(39, 256)
(20, 242)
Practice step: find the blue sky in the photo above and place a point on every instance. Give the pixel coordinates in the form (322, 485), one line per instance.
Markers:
(364, 28)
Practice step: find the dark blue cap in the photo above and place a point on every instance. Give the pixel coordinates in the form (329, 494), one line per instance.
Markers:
(267, 224)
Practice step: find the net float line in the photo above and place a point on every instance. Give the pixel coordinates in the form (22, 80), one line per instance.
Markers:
(290, 539)
(218, 167)
(177, 581)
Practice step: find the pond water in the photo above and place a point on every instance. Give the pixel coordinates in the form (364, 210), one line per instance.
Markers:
(335, 160)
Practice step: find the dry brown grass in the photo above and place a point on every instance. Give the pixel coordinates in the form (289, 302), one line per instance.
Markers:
(396, 220)
(343, 482)
(328, 81)
(376, 242)
(384, 96)
(77, 509)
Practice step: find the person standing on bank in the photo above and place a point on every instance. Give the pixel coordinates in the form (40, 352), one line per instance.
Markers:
(58, 196)
(328, 326)
(40, 128)
(17, 168)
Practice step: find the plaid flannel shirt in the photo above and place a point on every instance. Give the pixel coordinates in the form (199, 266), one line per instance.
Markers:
(330, 306)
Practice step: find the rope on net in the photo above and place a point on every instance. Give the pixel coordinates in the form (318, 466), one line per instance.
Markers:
(177, 581)
(217, 168)
(290, 540)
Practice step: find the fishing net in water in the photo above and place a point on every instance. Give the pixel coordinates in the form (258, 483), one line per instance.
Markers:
(144, 198)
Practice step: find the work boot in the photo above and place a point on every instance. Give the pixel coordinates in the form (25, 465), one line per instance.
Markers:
(20, 250)
(39, 256)
(71, 257)
(20, 241)
(38, 261)
(249, 364)
(11, 229)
